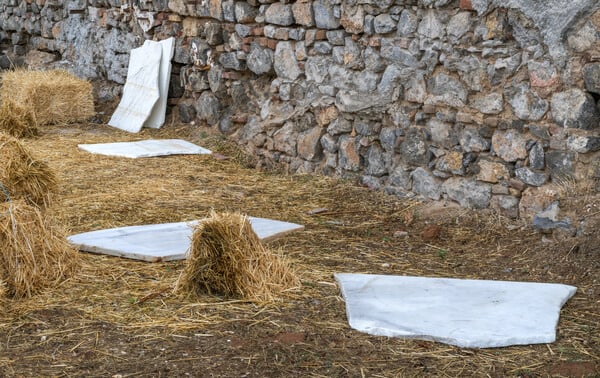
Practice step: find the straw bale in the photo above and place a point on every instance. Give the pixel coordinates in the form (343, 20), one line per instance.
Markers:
(226, 257)
(17, 120)
(22, 176)
(34, 252)
(54, 96)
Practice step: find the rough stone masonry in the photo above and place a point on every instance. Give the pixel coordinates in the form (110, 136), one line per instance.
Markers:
(489, 103)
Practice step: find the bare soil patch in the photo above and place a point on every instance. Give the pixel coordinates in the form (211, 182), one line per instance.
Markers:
(119, 317)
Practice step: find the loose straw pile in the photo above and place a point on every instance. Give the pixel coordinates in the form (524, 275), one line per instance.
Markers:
(226, 257)
(34, 252)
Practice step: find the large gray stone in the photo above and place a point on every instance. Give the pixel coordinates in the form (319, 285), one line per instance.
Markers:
(384, 23)
(553, 18)
(492, 103)
(536, 156)
(279, 14)
(530, 177)
(560, 164)
(415, 149)
(260, 60)
(459, 25)
(509, 145)
(576, 109)
(431, 26)
(425, 184)
(245, 12)
(583, 144)
(468, 193)
(408, 23)
(208, 108)
(472, 141)
(526, 104)
(316, 68)
(325, 13)
(285, 63)
(447, 90)
(591, 76)
(375, 161)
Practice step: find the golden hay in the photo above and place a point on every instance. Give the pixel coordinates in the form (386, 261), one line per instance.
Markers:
(22, 175)
(17, 120)
(54, 96)
(34, 252)
(226, 257)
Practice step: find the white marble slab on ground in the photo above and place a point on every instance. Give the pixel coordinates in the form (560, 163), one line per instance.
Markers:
(141, 91)
(465, 313)
(163, 242)
(145, 148)
(157, 117)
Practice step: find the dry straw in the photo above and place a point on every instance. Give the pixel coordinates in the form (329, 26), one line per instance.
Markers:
(22, 175)
(34, 252)
(17, 120)
(54, 96)
(226, 257)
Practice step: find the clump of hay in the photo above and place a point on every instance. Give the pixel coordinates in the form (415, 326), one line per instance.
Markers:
(34, 252)
(17, 120)
(226, 257)
(22, 176)
(54, 96)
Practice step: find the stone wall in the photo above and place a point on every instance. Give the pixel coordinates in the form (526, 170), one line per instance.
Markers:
(484, 102)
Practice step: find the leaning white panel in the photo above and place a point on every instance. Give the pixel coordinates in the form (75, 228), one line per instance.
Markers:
(157, 117)
(465, 313)
(162, 242)
(141, 91)
(145, 148)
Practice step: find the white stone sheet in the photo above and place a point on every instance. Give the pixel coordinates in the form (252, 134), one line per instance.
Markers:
(157, 117)
(145, 148)
(141, 90)
(163, 242)
(465, 313)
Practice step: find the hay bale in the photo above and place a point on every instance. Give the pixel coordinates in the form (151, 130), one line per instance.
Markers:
(226, 257)
(34, 252)
(22, 176)
(17, 120)
(54, 96)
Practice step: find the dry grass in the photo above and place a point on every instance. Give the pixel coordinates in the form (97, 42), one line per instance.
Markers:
(227, 258)
(54, 96)
(119, 316)
(34, 251)
(23, 176)
(17, 120)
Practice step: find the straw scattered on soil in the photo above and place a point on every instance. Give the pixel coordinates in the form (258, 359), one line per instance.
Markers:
(119, 316)
(227, 258)
(17, 120)
(53, 96)
(34, 252)
(23, 176)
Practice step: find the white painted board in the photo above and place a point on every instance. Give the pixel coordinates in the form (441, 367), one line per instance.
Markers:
(163, 242)
(141, 91)
(157, 117)
(145, 148)
(465, 313)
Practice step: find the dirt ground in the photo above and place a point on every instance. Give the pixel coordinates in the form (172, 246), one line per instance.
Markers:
(119, 317)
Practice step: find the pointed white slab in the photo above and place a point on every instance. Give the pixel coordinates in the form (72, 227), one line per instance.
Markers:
(465, 313)
(145, 148)
(141, 91)
(162, 242)
(157, 117)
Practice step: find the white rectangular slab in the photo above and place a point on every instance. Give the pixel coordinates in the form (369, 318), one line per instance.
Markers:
(163, 242)
(141, 91)
(157, 117)
(465, 313)
(145, 148)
